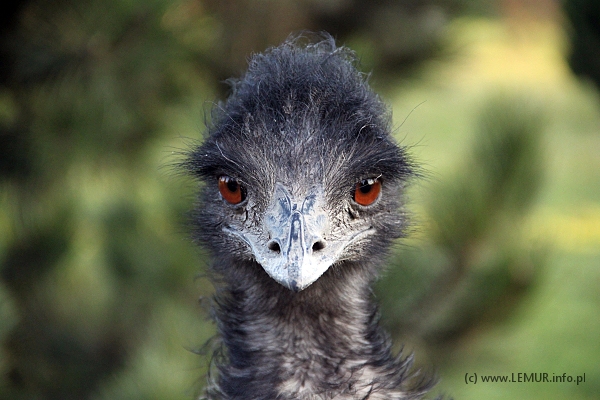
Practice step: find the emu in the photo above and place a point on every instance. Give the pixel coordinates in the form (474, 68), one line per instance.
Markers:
(301, 197)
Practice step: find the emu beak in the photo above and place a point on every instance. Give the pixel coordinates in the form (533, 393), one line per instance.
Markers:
(296, 254)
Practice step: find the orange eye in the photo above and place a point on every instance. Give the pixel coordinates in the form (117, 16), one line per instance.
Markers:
(231, 190)
(367, 191)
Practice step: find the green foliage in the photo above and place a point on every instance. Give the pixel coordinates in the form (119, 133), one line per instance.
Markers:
(91, 237)
(472, 259)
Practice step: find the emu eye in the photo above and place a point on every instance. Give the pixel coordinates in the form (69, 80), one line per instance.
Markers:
(367, 191)
(231, 190)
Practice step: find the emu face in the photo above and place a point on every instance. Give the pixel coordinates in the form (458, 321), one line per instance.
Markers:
(289, 243)
(301, 174)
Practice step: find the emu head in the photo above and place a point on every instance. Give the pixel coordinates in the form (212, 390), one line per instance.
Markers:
(301, 175)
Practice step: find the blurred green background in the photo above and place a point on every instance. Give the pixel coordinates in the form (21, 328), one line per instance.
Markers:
(497, 100)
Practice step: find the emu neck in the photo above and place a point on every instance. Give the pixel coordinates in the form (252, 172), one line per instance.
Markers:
(282, 344)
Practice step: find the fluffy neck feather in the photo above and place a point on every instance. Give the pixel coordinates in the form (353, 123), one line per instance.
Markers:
(320, 343)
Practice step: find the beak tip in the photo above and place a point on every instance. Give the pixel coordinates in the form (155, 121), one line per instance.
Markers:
(293, 285)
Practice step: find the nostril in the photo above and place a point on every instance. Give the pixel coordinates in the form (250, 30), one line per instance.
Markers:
(318, 245)
(274, 246)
